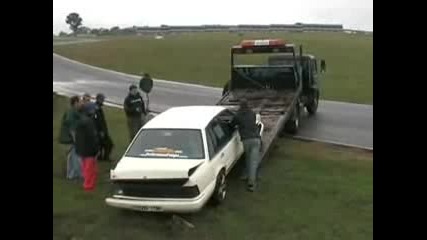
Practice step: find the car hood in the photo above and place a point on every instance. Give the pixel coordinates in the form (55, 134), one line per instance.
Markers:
(142, 168)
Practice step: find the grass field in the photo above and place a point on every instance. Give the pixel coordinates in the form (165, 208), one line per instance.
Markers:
(307, 191)
(204, 59)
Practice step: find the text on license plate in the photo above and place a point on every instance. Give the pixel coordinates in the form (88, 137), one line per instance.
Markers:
(151, 209)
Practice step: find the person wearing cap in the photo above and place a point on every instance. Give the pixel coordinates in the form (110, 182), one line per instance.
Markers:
(134, 107)
(245, 119)
(106, 144)
(85, 98)
(87, 147)
(86, 101)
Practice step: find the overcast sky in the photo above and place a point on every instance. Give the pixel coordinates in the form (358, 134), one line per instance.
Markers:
(108, 13)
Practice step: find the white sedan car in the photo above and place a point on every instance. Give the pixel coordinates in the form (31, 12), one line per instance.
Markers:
(178, 161)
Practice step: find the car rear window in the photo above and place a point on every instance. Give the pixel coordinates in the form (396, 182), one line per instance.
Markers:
(168, 143)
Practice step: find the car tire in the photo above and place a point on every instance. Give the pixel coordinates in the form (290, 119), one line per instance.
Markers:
(220, 192)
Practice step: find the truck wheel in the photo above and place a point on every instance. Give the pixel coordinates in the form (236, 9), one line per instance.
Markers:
(225, 88)
(314, 103)
(292, 125)
(220, 191)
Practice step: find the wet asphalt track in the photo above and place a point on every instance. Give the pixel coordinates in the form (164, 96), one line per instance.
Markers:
(335, 122)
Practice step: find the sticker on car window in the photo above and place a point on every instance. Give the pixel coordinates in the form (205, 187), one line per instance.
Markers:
(163, 152)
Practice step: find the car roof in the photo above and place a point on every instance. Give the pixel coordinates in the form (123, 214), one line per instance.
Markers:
(186, 117)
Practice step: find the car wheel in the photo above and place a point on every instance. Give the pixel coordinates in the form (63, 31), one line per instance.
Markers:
(220, 191)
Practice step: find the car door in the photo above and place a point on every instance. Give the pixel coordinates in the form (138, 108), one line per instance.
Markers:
(236, 145)
(220, 144)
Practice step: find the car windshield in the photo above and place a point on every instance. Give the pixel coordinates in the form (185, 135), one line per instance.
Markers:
(168, 143)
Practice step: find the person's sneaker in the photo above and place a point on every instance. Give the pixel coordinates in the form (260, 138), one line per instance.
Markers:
(245, 178)
(251, 187)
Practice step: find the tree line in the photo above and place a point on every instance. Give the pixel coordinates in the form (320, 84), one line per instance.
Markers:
(75, 22)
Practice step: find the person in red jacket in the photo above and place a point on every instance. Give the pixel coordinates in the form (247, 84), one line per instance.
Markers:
(87, 147)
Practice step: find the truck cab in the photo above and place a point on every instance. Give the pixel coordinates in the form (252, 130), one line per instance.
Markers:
(309, 76)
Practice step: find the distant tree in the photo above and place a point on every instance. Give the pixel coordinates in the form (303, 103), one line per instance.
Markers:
(128, 31)
(95, 31)
(84, 30)
(75, 21)
(104, 31)
(114, 29)
(62, 34)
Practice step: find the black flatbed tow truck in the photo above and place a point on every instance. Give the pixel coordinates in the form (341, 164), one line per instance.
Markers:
(277, 89)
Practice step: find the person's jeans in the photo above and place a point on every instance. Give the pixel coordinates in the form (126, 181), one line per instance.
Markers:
(74, 169)
(252, 149)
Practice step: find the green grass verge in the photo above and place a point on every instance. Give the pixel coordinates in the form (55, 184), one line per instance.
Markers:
(308, 191)
(204, 59)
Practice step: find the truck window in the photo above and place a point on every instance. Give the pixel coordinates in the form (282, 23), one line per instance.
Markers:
(277, 77)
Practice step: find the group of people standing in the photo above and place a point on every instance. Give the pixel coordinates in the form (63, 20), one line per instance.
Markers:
(85, 129)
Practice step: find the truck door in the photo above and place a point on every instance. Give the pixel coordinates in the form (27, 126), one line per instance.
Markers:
(314, 73)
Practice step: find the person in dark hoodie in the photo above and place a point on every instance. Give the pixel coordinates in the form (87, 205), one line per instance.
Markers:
(87, 147)
(245, 120)
(134, 107)
(106, 144)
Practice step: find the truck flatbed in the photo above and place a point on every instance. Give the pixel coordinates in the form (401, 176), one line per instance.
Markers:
(273, 106)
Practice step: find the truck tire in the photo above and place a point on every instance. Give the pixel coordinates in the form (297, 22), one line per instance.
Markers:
(292, 125)
(225, 88)
(220, 191)
(314, 103)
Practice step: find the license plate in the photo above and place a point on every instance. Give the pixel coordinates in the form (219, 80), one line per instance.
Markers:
(151, 209)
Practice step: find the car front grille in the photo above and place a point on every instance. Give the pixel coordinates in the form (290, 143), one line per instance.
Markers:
(162, 188)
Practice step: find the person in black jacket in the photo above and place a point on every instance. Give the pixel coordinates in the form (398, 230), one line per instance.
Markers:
(245, 120)
(106, 144)
(87, 147)
(135, 111)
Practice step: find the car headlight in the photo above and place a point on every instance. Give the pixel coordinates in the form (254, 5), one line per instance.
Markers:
(116, 189)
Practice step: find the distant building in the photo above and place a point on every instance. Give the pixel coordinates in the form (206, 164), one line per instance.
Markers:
(299, 27)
